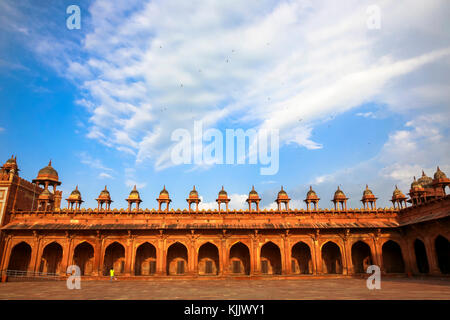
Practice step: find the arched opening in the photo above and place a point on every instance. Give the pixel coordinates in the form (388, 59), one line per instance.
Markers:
(270, 259)
(145, 260)
(177, 259)
(392, 258)
(83, 257)
(421, 256)
(331, 257)
(51, 258)
(301, 259)
(20, 257)
(240, 259)
(115, 258)
(361, 257)
(208, 259)
(442, 247)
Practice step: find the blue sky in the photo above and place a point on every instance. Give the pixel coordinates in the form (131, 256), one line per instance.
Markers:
(353, 105)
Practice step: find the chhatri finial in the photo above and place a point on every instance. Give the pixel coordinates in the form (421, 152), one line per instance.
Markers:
(222, 189)
(76, 188)
(134, 188)
(50, 163)
(281, 188)
(194, 187)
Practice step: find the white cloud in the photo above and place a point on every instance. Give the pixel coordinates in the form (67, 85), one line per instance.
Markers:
(148, 68)
(104, 175)
(94, 163)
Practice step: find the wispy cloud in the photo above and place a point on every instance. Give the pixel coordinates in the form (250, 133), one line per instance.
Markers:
(94, 163)
(283, 65)
(104, 175)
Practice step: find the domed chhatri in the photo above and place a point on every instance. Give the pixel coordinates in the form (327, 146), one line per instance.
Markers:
(134, 197)
(193, 198)
(45, 201)
(48, 173)
(193, 194)
(398, 198)
(164, 198)
(253, 198)
(440, 181)
(47, 176)
(164, 194)
(416, 185)
(74, 198)
(282, 198)
(339, 198)
(369, 199)
(439, 174)
(311, 197)
(223, 198)
(10, 166)
(104, 197)
(425, 181)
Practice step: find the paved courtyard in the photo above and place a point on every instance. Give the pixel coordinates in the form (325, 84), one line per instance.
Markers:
(279, 289)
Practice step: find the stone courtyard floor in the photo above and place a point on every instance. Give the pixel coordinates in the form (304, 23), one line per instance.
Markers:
(234, 289)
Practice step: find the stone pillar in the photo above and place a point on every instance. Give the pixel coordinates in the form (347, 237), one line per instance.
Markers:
(223, 256)
(6, 256)
(65, 258)
(317, 256)
(431, 256)
(35, 255)
(128, 256)
(286, 254)
(161, 256)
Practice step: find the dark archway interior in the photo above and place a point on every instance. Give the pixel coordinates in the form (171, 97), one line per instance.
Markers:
(421, 256)
(208, 259)
(20, 257)
(83, 257)
(145, 260)
(361, 257)
(177, 259)
(392, 258)
(114, 257)
(270, 259)
(51, 258)
(332, 261)
(443, 254)
(240, 259)
(301, 259)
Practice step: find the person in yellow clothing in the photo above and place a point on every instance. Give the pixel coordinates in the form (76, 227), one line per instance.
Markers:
(111, 273)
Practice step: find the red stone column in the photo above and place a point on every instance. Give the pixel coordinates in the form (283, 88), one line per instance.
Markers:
(35, 255)
(128, 255)
(223, 256)
(6, 256)
(286, 255)
(161, 258)
(431, 256)
(318, 257)
(345, 258)
(65, 258)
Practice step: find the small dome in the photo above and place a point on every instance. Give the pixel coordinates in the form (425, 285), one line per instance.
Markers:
(11, 160)
(75, 195)
(104, 195)
(311, 195)
(223, 194)
(397, 193)
(367, 192)
(253, 194)
(282, 194)
(425, 180)
(439, 174)
(134, 194)
(416, 185)
(339, 194)
(47, 173)
(45, 195)
(193, 193)
(164, 194)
